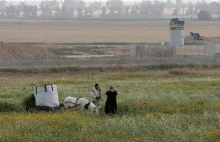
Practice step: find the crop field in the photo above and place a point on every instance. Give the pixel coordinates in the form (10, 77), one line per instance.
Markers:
(154, 105)
(33, 31)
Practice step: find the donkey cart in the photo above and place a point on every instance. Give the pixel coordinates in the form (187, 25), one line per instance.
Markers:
(45, 98)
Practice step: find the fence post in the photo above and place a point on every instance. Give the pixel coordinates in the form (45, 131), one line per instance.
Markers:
(130, 61)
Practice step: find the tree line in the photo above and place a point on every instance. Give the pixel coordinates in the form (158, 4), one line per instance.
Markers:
(79, 9)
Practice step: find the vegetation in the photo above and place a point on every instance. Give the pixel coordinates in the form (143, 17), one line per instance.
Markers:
(111, 9)
(204, 15)
(75, 50)
(154, 105)
(36, 70)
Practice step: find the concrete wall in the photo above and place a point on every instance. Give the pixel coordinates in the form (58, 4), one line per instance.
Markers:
(176, 36)
(206, 50)
(163, 51)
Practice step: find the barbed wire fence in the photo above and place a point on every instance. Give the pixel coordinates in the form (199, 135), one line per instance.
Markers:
(149, 56)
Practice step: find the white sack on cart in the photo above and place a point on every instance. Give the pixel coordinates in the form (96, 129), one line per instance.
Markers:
(46, 96)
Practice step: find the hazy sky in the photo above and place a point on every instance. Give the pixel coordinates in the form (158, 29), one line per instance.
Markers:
(126, 1)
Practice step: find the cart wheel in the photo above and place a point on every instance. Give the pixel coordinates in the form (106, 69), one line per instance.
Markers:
(52, 109)
(28, 110)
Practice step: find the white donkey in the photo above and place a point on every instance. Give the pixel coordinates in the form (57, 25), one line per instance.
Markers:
(80, 103)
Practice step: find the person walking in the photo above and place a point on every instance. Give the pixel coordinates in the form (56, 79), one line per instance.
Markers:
(96, 95)
(111, 102)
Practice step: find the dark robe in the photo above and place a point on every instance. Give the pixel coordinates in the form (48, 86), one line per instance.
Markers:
(111, 102)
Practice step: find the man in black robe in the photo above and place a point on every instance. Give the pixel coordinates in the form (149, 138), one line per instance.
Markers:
(111, 102)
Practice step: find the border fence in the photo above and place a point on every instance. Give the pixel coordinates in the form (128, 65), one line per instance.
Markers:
(139, 55)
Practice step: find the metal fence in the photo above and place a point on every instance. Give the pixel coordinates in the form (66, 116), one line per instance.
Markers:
(110, 62)
(140, 55)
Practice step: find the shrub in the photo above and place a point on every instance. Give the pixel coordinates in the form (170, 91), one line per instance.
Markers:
(204, 15)
(9, 107)
(29, 102)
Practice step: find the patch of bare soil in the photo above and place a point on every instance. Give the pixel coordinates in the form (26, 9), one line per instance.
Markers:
(180, 72)
(189, 40)
(215, 39)
(16, 75)
(9, 51)
(163, 53)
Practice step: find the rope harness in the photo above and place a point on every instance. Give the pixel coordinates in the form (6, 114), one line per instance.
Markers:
(75, 105)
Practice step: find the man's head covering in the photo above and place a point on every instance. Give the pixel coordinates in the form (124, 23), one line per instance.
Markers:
(111, 87)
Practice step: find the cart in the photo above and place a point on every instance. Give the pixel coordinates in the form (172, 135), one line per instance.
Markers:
(45, 98)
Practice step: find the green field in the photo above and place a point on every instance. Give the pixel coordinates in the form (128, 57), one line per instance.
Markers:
(154, 105)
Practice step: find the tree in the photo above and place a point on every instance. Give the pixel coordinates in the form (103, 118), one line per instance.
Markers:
(176, 10)
(66, 11)
(214, 8)
(29, 11)
(204, 15)
(70, 6)
(145, 8)
(12, 11)
(46, 9)
(87, 13)
(104, 12)
(190, 10)
(57, 14)
(80, 13)
(169, 4)
(2, 8)
(201, 6)
(115, 6)
(157, 9)
(127, 11)
(135, 11)
(95, 6)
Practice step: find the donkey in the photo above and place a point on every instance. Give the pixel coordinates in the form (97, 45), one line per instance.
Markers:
(80, 103)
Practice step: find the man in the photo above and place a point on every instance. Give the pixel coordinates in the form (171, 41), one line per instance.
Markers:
(96, 94)
(111, 102)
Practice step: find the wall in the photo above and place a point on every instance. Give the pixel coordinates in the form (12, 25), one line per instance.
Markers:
(176, 36)
(205, 50)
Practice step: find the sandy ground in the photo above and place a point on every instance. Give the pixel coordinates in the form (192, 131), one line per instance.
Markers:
(96, 31)
(10, 51)
(87, 32)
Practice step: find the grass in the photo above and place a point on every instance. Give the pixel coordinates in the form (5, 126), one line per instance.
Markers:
(71, 51)
(178, 104)
(162, 66)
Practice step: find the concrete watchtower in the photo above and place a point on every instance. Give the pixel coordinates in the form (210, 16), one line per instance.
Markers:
(176, 32)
